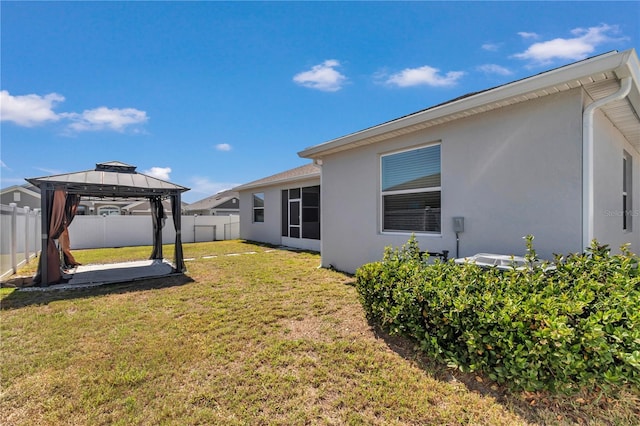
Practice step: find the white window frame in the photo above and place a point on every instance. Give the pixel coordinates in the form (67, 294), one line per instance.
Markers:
(110, 211)
(256, 208)
(408, 191)
(299, 218)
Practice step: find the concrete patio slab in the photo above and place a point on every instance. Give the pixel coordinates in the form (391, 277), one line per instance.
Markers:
(85, 276)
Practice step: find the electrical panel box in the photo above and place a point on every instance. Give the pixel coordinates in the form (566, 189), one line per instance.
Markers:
(458, 224)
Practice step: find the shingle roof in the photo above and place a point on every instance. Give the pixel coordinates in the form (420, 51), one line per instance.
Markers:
(303, 172)
(24, 187)
(213, 201)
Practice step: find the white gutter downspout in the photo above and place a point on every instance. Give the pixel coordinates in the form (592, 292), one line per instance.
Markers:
(588, 205)
(318, 162)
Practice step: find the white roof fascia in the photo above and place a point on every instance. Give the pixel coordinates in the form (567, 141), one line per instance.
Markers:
(134, 204)
(631, 68)
(21, 189)
(198, 206)
(277, 182)
(577, 71)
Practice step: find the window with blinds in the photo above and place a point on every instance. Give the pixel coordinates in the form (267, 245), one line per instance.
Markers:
(410, 190)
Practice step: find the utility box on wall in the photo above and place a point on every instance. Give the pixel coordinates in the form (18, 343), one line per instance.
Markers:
(458, 224)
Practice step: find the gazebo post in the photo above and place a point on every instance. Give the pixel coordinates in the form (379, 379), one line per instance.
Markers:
(176, 213)
(157, 217)
(45, 217)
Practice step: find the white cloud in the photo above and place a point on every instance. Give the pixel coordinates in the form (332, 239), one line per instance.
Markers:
(158, 172)
(425, 75)
(223, 147)
(322, 77)
(525, 34)
(575, 48)
(203, 185)
(50, 172)
(28, 110)
(3, 164)
(32, 110)
(104, 118)
(494, 69)
(491, 47)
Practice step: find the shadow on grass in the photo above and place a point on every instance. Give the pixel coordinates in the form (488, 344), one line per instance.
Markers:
(278, 247)
(20, 299)
(540, 408)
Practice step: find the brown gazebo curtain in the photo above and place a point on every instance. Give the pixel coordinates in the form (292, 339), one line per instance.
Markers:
(55, 205)
(70, 209)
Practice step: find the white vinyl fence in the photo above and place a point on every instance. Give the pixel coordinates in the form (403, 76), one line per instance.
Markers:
(19, 237)
(122, 231)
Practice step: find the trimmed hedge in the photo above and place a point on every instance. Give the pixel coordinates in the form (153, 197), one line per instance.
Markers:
(561, 328)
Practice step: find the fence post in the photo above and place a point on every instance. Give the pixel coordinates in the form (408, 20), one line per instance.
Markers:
(36, 232)
(26, 234)
(13, 247)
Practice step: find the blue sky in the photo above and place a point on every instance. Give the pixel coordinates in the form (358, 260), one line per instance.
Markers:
(213, 94)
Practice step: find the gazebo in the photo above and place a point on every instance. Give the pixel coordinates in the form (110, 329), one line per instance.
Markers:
(60, 195)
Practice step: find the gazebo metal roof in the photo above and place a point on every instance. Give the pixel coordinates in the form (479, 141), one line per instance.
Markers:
(110, 179)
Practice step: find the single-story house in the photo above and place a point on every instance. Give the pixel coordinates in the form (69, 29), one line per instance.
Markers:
(225, 203)
(26, 195)
(94, 206)
(555, 155)
(283, 209)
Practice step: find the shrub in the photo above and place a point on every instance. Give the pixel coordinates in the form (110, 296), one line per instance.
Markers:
(574, 324)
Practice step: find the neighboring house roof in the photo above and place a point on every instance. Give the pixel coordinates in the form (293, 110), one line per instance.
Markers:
(299, 173)
(27, 188)
(22, 196)
(215, 201)
(598, 77)
(112, 179)
(421, 182)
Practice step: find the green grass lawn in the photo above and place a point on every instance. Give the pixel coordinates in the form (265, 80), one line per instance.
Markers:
(261, 338)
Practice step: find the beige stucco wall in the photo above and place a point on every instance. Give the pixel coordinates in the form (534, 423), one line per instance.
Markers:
(269, 231)
(609, 148)
(508, 172)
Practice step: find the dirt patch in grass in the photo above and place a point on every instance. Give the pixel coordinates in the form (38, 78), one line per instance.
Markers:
(310, 328)
(343, 323)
